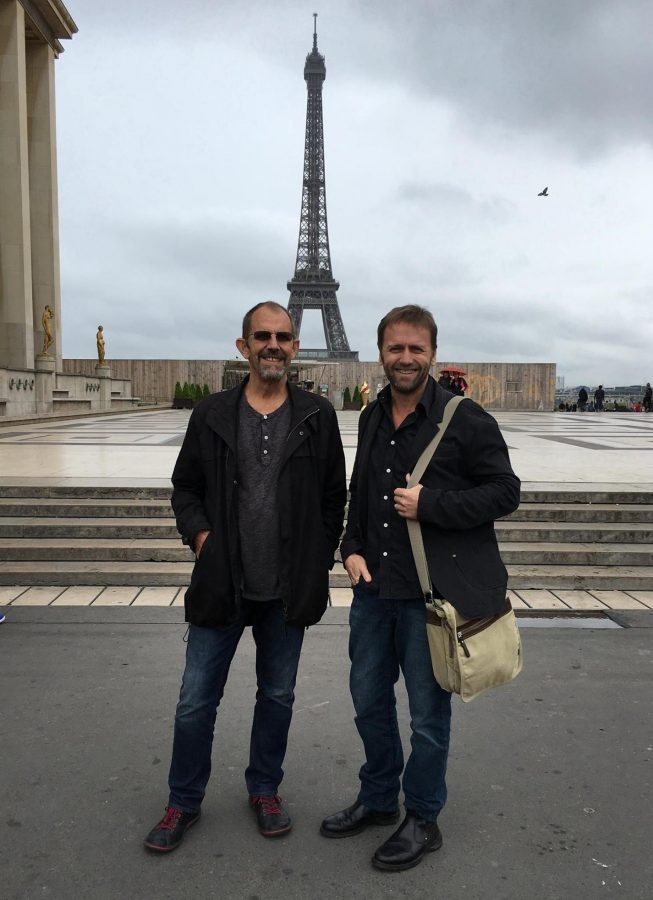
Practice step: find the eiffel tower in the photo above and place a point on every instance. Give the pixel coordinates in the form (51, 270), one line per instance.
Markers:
(313, 285)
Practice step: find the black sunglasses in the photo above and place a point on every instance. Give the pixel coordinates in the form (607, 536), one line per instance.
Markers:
(283, 337)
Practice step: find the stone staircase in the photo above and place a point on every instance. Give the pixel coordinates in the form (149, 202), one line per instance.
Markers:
(127, 536)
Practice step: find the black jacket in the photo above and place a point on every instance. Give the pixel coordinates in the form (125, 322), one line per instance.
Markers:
(312, 496)
(468, 484)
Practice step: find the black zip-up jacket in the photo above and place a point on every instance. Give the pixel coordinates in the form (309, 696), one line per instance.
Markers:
(467, 485)
(311, 497)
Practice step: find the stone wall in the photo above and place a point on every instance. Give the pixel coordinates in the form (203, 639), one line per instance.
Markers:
(154, 379)
(29, 392)
(493, 385)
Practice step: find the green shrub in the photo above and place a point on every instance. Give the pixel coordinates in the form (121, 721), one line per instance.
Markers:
(205, 391)
(357, 400)
(178, 391)
(346, 397)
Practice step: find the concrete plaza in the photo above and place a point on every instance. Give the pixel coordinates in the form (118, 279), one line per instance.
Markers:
(608, 450)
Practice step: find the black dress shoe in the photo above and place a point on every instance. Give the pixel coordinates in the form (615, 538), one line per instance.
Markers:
(169, 832)
(408, 844)
(355, 819)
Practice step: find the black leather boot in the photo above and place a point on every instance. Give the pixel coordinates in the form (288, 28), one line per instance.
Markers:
(407, 846)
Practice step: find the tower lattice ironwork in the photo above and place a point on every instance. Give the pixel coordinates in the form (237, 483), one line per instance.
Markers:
(313, 285)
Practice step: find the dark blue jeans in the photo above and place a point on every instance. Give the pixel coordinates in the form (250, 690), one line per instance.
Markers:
(208, 657)
(388, 636)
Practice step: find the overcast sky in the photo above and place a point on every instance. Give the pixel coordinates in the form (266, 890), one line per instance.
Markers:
(180, 140)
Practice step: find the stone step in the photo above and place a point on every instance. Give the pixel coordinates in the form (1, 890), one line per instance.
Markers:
(85, 492)
(153, 574)
(96, 573)
(111, 528)
(160, 507)
(586, 496)
(99, 549)
(141, 527)
(613, 578)
(577, 512)
(576, 554)
(95, 492)
(170, 549)
(591, 532)
(78, 507)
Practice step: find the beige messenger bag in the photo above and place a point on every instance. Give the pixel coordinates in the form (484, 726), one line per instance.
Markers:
(468, 655)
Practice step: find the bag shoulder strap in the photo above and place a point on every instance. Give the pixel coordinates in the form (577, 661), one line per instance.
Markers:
(414, 527)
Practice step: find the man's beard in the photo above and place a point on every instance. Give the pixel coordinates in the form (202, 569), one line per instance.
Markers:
(271, 372)
(404, 385)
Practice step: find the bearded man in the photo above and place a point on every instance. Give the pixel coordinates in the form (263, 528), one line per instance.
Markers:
(259, 497)
(468, 484)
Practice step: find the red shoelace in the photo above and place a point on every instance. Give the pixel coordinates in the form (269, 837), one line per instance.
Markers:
(269, 805)
(169, 821)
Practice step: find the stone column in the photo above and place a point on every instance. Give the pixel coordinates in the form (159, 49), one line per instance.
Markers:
(45, 382)
(104, 374)
(16, 318)
(44, 219)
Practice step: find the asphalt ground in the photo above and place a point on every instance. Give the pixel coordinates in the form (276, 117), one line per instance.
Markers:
(549, 777)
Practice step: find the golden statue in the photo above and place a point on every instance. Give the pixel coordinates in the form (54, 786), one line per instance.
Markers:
(365, 394)
(46, 320)
(99, 340)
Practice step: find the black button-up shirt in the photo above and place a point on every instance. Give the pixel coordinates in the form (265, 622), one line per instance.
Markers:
(388, 552)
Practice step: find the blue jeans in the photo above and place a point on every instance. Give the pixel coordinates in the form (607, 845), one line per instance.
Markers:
(208, 658)
(388, 636)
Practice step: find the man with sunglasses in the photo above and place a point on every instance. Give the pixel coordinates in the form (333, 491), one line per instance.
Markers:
(259, 496)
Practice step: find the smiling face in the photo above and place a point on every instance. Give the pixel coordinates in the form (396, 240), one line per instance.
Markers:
(269, 358)
(406, 356)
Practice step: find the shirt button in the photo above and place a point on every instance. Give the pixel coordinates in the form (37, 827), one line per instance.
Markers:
(385, 524)
(385, 496)
(388, 471)
(384, 553)
(265, 451)
(392, 443)
(265, 437)
(265, 417)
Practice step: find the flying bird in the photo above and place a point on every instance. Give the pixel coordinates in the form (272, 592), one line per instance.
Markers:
(544, 193)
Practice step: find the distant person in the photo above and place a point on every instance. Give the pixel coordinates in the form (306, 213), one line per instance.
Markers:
(445, 382)
(583, 397)
(457, 387)
(647, 398)
(259, 496)
(599, 397)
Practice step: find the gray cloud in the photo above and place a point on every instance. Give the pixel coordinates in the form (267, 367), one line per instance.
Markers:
(579, 73)
(180, 151)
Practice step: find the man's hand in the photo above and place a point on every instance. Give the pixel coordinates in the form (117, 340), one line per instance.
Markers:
(200, 537)
(406, 500)
(356, 567)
